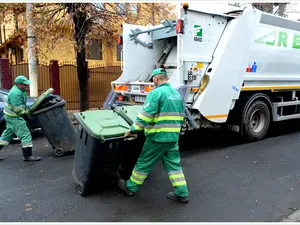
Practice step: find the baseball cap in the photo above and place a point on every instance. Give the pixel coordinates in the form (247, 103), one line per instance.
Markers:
(158, 71)
(22, 80)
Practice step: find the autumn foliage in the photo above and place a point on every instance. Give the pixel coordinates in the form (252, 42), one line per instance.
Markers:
(76, 23)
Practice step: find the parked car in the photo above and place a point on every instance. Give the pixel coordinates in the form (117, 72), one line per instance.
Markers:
(31, 122)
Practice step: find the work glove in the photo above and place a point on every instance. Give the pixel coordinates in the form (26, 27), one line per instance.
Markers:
(129, 134)
(27, 112)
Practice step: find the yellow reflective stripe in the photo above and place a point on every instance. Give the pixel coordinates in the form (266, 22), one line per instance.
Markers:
(139, 175)
(10, 114)
(144, 118)
(176, 176)
(8, 106)
(17, 109)
(20, 107)
(179, 183)
(163, 129)
(136, 181)
(175, 172)
(27, 145)
(137, 127)
(180, 118)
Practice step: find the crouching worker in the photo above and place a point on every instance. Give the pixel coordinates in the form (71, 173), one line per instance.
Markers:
(161, 121)
(14, 112)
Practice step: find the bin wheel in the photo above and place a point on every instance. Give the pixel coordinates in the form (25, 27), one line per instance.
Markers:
(81, 189)
(59, 152)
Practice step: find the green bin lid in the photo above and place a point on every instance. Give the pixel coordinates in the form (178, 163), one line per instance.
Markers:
(104, 124)
(40, 99)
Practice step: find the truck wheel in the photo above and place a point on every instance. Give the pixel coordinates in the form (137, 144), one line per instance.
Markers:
(257, 121)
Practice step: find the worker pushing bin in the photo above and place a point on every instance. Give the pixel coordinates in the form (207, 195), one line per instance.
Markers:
(52, 116)
(102, 152)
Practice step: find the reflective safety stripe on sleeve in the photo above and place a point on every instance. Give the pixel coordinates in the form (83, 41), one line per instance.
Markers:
(138, 177)
(177, 178)
(138, 126)
(9, 113)
(145, 117)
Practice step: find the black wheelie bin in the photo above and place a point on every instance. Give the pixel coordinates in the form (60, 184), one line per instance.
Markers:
(49, 110)
(102, 153)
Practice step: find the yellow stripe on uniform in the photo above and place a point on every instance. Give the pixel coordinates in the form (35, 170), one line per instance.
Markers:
(137, 127)
(138, 177)
(162, 118)
(163, 129)
(144, 118)
(134, 180)
(181, 183)
(176, 176)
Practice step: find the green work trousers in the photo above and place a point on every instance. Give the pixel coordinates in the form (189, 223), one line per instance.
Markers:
(151, 153)
(17, 126)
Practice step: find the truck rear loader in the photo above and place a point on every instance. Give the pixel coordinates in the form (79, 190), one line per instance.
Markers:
(240, 69)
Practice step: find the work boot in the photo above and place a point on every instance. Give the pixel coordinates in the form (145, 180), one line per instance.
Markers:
(122, 186)
(27, 155)
(174, 197)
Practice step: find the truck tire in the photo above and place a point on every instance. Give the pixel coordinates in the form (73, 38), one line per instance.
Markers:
(257, 120)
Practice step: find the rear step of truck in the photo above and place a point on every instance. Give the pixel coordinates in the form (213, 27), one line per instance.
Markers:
(278, 110)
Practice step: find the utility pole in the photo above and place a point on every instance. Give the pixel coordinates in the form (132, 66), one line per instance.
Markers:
(32, 59)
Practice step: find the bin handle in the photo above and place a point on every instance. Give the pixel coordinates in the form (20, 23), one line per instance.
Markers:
(129, 138)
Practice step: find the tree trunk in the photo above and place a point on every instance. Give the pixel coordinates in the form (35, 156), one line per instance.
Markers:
(80, 33)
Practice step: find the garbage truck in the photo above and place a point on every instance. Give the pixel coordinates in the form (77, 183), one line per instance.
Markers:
(239, 70)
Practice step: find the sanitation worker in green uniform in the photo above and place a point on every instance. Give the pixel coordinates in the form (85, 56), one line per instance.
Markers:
(161, 121)
(14, 112)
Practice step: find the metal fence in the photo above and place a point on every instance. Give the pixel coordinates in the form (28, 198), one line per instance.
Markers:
(98, 84)
(43, 71)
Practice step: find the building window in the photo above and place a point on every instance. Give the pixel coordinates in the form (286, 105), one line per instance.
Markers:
(95, 50)
(119, 50)
(20, 55)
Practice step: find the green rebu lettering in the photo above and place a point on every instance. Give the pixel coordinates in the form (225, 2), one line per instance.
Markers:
(296, 41)
(282, 37)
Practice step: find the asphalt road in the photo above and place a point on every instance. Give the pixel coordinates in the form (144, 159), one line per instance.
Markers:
(228, 181)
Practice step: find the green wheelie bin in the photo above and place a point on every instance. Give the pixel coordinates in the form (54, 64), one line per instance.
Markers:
(102, 153)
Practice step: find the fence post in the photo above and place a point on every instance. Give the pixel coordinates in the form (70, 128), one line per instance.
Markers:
(54, 74)
(87, 83)
(6, 73)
